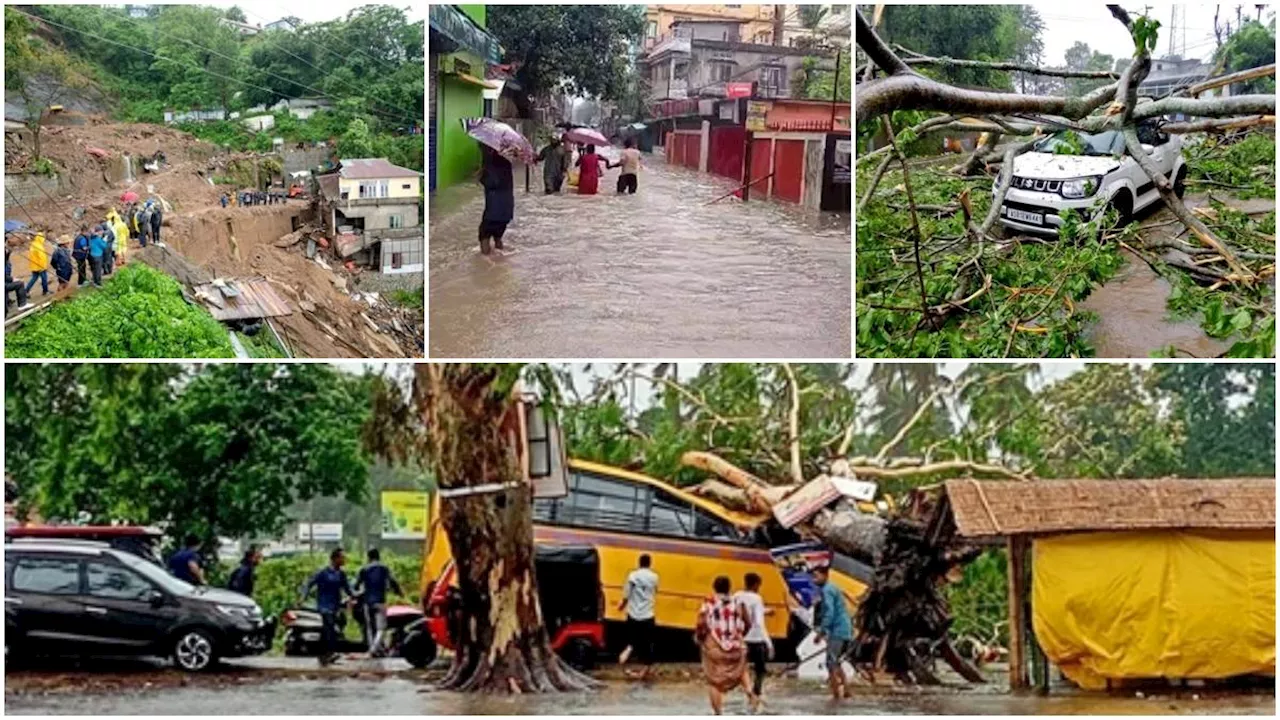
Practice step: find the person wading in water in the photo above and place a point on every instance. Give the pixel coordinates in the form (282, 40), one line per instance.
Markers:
(499, 198)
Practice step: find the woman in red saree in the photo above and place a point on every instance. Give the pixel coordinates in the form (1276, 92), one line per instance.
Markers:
(589, 171)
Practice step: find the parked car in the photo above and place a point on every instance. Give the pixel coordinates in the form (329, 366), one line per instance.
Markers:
(1083, 171)
(76, 597)
(141, 541)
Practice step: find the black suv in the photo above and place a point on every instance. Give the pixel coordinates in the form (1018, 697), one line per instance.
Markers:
(86, 598)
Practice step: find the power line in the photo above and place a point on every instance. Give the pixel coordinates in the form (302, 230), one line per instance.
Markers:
(172, 60)
(321, 46)
(328, 34)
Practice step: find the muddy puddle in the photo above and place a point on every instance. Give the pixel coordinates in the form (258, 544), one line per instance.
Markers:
(662, 273)
(1133, 318)
(1133, 321)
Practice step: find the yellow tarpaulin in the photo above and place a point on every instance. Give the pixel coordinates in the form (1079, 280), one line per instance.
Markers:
(1152, 604)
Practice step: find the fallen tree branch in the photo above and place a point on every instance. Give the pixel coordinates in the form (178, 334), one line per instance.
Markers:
(793, 425)
(915, 219)
(1235, 77)
(918, 59)
(1219, 125)
(875, 181)
(943, 466)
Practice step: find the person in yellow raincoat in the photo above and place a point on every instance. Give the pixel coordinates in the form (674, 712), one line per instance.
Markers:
(38, 259)
(122, 235)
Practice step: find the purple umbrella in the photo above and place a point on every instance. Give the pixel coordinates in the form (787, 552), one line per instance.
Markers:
(586, 136)
(499, 136)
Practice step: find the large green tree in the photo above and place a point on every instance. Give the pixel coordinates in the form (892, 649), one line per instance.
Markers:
(584, 47)
(214, 450)
(969, 32)
(1253, 45)
(1081, 57)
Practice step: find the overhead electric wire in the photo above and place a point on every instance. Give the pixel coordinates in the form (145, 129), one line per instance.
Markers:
(303, 60)
(180, 64)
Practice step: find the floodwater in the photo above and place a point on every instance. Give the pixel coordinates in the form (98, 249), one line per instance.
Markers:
(1133, 320)
(294, 686)
(658, 274)
(402, 696)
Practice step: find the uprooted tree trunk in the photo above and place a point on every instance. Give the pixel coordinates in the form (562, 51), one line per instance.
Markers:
(1012, 115)
(902, 620)
(503, 645)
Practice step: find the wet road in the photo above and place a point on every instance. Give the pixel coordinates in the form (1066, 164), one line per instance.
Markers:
(404, 696)
(657, 274)
(1133, 318)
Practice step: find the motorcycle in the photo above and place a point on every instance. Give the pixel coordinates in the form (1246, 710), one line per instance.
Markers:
(405, 636)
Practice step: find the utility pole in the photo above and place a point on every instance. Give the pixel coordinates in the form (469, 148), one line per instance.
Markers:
(779, 22)
(835, 89)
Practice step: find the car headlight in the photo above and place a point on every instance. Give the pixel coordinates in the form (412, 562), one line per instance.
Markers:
(1081, 187)
(237, 611)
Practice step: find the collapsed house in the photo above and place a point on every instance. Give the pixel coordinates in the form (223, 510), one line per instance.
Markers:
(369, 209)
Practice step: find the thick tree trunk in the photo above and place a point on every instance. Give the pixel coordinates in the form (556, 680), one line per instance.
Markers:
(503, 644)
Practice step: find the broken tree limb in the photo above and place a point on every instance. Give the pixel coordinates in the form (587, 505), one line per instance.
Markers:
(753, 486)
(1176, 206)
(737, 499)
(944, 466)
(793, 425)
(1235, 77)
(977, 159)
(1006, 177)
(918, 59)
(1219, 125)
(875, 181)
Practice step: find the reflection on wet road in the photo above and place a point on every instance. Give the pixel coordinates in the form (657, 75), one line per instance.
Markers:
(657, 274)
(403, 696)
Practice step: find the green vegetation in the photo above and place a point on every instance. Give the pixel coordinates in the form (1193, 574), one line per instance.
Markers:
(411, 299)
(218, 450)
(368, 66)
(138, 313)
(1253, 45)
(1034, 285)
(279, 580)
(261, 344)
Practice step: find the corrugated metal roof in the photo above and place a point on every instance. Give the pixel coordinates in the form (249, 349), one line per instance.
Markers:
(373, 169)
(242, 300)
(985, 508)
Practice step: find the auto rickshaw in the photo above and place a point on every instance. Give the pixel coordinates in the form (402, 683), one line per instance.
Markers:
(569, 594)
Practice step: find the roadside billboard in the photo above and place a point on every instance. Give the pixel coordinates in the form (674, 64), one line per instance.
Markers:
(406, 514)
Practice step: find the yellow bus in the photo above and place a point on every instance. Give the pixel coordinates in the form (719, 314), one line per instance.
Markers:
(691, 541)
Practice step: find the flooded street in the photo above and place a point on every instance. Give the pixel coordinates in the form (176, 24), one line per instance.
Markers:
(657, 274)
(356, 693)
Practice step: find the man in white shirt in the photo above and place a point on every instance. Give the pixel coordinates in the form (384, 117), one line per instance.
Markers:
(759, 644)
(638, 595)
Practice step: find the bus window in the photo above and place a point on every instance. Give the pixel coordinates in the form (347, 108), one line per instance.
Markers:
(546, 509)
(708, 527)
(603, 503)
(670, 516)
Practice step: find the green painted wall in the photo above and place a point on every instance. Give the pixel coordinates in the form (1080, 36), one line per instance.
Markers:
(457, 155)
(475, 12)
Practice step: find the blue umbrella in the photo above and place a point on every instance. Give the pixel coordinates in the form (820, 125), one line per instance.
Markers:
(14, 225)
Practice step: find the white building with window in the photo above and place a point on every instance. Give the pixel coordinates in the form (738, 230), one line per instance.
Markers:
(371, 210)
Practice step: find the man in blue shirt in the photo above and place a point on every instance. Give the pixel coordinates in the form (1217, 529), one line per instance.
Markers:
(80, 253)
(98, 245)
(834, 626)
(185, 564)
(375, 578)
(330, 584)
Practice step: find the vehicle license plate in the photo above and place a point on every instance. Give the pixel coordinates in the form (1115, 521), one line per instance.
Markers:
(1024, 216)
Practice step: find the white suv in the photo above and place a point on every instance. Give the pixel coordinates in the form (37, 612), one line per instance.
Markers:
(1095, 172)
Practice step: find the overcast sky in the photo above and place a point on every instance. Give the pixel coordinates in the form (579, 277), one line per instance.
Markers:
(1092, 24)
(261, 12)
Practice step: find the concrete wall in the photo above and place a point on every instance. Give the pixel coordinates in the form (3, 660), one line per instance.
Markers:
(26, 188)
(298, 160)
(412, 256)
(400, 187)
(457, 155)
(377, 217)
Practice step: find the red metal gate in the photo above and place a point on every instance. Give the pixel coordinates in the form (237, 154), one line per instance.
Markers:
(788, 169)
(728, 145)
(761, 158)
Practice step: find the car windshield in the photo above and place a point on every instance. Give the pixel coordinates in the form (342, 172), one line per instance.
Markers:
(156, 574)
(1065, 142)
